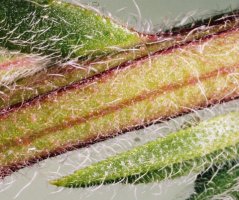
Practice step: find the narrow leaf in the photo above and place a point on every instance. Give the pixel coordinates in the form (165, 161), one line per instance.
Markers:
(191, 149)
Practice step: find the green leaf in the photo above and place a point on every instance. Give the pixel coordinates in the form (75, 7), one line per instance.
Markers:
(56, 28)
(218, 182)
(191, 149)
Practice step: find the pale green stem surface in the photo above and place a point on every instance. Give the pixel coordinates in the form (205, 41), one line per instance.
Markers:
(15, 66)
(60, 75)
(157, 87)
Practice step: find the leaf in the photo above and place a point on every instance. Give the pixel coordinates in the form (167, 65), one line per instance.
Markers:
(58, 29)
(191, 149)
(218, 182)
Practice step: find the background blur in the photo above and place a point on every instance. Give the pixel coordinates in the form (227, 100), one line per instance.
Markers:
(155, 14)
(144, 15)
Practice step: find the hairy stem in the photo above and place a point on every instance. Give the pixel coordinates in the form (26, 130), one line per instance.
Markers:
(51, 78)
(164, 84)
(15, 66)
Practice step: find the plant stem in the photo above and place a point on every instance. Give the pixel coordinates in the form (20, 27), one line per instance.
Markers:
(188, 72)
(60, 75)
(15, 66)
(165, 84)
(191, 149)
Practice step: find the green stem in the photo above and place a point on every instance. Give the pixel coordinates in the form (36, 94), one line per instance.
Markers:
(165, 84)
(104, 106)
(51, 78)
(15, 66)
(191, 149)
